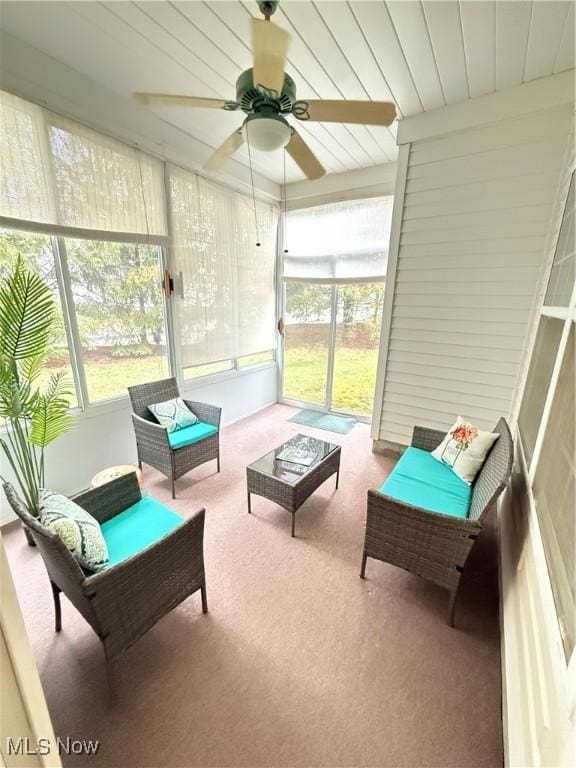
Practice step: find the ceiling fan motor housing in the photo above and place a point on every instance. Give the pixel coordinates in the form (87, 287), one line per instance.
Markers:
(268, 7)
(259, 99)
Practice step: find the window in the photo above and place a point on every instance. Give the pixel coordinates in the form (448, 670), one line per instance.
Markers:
(555, 497)
(117, 295)
(37, 254)
(333, 298)
(547, 427)
(539, 375)
(117, 304)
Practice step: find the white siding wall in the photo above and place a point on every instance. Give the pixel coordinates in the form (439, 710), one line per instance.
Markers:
(472, 230)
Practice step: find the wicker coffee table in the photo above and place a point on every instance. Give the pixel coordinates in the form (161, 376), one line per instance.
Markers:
(290, 484)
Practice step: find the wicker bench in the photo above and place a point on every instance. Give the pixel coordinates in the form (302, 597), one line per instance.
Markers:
(429, 544)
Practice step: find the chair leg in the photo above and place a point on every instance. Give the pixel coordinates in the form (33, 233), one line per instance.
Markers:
(173, 488)
(57, 607)
(204, 598)
(218, 463)
(363, 568)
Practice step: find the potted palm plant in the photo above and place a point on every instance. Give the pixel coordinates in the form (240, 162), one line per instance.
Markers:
(33, 406)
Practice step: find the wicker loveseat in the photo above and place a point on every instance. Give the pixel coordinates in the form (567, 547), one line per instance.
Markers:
(125, 600)
(177, 453)
(430, 544)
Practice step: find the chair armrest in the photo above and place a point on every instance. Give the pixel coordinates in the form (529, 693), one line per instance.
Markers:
(209, 414)
(132, 596)
(148, 432)
(110, 499)
(427, 439)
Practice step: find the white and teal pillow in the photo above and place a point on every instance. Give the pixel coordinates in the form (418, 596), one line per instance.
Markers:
(79, 531)
(464, 449)
(173, 414)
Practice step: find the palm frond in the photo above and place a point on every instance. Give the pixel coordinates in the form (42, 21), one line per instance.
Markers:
(17, 398)
(31, 367)
(50, 417)
(27, 310)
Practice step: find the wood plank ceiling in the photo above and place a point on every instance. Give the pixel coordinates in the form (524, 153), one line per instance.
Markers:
(421, 55)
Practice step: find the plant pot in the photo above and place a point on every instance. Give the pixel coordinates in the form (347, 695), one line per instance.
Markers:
(29, 539)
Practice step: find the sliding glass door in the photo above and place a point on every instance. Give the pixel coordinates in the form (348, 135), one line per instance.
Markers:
(358, 316)
(331, 343)
(333, 271)
(307, 342)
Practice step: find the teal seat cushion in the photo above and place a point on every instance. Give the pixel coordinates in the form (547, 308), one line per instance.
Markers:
(190, 435)
(138, 527)
(422, 481)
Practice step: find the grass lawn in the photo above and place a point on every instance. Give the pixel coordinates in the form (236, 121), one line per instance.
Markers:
(110, 378)
(304, 377)
(354, 377)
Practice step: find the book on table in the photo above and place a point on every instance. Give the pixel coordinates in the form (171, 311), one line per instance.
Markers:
(297, 456)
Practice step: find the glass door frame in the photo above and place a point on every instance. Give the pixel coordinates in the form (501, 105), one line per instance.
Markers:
(327, 406)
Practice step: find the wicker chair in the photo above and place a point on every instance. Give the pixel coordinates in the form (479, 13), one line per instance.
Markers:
(152, 439)
(428, 544)
(123, 601)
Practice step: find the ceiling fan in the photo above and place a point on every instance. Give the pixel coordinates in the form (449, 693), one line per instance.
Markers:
(267, 95)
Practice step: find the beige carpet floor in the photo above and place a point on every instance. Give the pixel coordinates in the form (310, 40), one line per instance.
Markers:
(299, 662)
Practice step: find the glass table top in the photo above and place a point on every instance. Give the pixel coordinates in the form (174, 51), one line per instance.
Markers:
(290, 471)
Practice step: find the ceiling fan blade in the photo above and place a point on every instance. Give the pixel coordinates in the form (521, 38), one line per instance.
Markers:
(304, 158)
(270, 48)
(225, 151)
(175, 100)
(363, 112)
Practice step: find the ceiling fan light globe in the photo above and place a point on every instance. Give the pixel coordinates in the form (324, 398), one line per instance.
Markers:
(267, 133)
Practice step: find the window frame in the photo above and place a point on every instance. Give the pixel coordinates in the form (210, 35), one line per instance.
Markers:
(85, 405)
(567, 314)
(71, 320)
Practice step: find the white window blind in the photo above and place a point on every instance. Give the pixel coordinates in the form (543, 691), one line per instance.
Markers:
(58, 175)
(225, 282)
(339, 242)
(25, 190)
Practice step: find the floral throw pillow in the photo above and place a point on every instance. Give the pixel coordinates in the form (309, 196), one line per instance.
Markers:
(79, 531)
(173, 414)
(464, 449)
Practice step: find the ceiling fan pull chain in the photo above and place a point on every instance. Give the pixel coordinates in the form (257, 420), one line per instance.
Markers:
(258, 243)
(285, 221)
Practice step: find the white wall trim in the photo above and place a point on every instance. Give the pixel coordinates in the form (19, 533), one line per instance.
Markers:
(31, 695)
(545, 93)
(390, 287)
(251, 413)
(376, 181)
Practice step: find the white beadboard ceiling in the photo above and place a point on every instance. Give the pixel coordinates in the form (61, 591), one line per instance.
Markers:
(421, 55)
